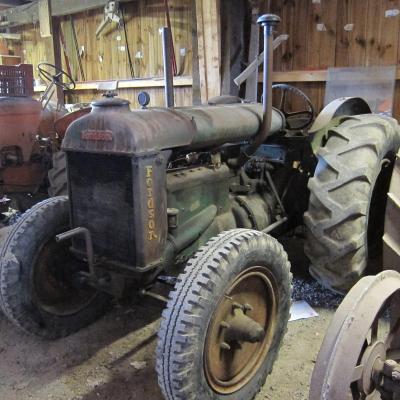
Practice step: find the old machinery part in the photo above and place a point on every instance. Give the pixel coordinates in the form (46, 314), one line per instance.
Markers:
(234, 301)
(55, 302)
(345, 106)
(361, 350)
(347, 195)
(254, 65)
(391, 238)
(168, 72)
(85, 233)
(143, 99)
(57, 175)
(112, 13)
(295, 120)
(128, 51)
(191, 128)
(268, 22)
(55, 75)
(76, 45)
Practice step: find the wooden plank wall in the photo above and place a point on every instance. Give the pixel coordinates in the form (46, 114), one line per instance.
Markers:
(106, 58)
(337, 33)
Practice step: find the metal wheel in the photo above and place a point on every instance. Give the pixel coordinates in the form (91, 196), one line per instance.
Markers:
(361, 347)
(56, 285)
(240, 331)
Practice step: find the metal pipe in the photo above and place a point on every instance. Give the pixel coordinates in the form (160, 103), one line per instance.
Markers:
(275, 225)
(169, 76)
(268, 22)
(88, 242)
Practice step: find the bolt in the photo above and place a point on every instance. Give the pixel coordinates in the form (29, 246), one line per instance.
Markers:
(224, 325)
(225, 346)
(237, 306)
(247, 307)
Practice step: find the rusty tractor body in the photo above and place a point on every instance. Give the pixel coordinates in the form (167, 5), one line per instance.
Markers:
(188, 197)
(30, 136)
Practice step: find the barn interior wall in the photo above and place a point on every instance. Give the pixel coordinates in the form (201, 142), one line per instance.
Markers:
(337, 33)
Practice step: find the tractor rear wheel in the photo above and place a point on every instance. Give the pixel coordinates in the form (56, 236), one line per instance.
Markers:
(40, 289)
(348, 198)
(225, 320)
(57, 175)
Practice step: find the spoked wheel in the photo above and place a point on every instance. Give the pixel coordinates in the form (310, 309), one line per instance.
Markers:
(359, 355)
(226, 318)
(40, 286)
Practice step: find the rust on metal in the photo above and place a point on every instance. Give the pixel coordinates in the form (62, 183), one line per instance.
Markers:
(356, 353)
(240, 332)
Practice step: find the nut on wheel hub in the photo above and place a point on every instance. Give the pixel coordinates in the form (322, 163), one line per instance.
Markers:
(241, 330)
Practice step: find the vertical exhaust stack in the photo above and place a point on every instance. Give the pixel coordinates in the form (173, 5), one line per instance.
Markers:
(169, 76)
(268, 22)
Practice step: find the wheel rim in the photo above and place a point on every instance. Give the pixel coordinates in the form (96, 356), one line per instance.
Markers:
(56, 285)
(241, 330)
(351, 358)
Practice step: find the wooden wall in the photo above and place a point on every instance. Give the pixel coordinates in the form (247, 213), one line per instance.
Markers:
(106, 58)
(337, 33)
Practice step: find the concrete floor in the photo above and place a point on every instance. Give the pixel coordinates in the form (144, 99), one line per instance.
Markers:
(114, 360)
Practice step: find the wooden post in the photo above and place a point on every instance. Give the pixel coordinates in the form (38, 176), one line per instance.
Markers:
(209, 47)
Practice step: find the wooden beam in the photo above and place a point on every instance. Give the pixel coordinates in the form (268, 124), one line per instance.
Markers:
(179, 81)
(306, 76)
(44, 18)
(209, 47)
(29, 13)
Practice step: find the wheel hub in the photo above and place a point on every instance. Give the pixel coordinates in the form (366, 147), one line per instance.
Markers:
(372, 362)
(240, 331)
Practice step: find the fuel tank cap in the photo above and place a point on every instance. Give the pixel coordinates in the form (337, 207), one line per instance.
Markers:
(111, 102)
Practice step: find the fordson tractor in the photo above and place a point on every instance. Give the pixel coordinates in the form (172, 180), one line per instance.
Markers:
(200, 194)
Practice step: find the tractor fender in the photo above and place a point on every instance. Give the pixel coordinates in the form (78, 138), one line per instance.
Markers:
(330, 116)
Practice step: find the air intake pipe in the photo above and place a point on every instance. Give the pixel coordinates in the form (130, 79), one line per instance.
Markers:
(268, 22)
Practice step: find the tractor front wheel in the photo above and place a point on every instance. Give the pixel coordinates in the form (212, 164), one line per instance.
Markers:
(40, 289)
(226, 318)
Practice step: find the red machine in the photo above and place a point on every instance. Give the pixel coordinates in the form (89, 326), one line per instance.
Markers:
(31, 165)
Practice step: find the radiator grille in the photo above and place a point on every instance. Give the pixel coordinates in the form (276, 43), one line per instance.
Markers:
(102, 201)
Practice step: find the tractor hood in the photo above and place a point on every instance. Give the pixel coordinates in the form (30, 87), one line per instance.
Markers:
(111, 127)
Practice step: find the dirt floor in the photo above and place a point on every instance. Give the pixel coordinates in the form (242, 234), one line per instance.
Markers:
(114, 358)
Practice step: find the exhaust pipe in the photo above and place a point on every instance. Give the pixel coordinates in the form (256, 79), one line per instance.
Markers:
(169, 76)
(268, 22)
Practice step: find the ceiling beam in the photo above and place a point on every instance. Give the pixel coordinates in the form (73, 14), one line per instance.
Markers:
(29, 13)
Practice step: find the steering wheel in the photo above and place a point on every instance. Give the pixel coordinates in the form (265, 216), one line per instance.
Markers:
(55, 76)
(308, 111)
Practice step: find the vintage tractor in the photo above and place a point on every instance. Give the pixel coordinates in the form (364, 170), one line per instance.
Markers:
(32, 167)
(195, 192)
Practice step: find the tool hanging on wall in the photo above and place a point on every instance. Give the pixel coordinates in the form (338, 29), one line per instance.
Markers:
(131, 68)
(112, 13)
(171, 41)
(78, 54)
(66, 58)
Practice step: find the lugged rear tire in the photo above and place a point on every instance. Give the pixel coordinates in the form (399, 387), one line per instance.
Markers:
(182, 363)
(57, 175)
(37, 292)
(345, 216)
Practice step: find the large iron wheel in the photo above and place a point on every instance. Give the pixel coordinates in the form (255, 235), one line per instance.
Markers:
(224, 324)
(362, 346)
